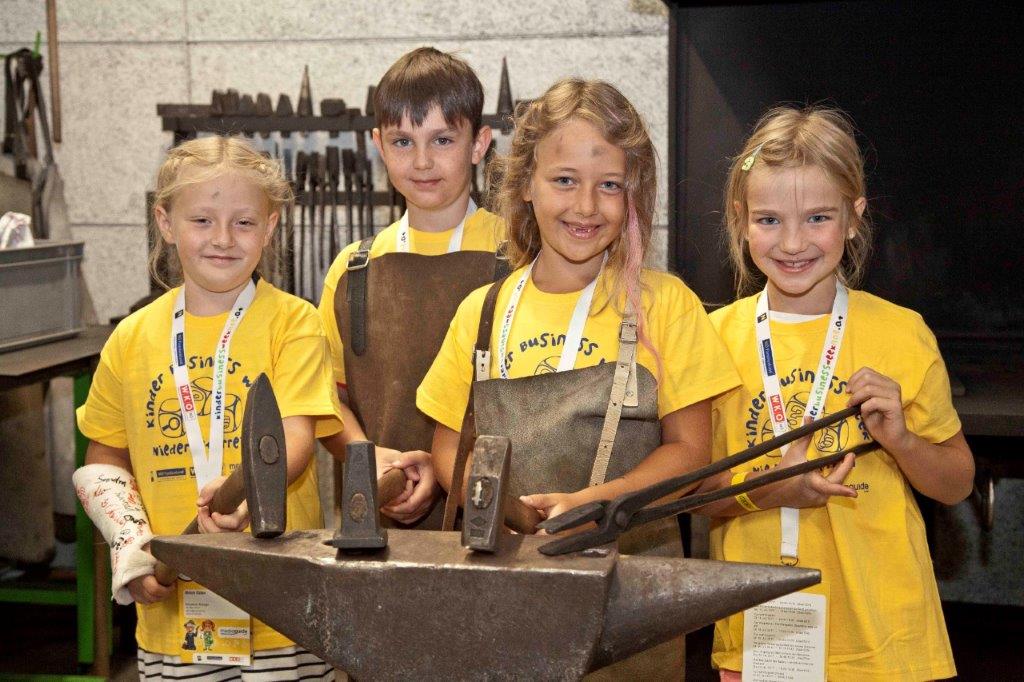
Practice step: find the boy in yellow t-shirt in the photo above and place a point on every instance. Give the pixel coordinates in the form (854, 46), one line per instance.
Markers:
(387, 300)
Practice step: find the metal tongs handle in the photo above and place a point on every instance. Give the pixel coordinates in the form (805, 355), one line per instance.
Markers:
(689, 502)
(624, 511)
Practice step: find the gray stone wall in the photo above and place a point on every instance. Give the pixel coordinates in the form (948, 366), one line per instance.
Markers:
(119, 58)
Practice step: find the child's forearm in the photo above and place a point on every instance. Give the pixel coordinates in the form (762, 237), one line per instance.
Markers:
(667, 461)
(352, 432)
(942, 471)
(298, 439)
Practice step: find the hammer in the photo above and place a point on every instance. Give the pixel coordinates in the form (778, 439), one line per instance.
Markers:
(482, 524)
(262, 478)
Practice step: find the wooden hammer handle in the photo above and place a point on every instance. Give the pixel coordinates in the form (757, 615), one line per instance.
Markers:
(225, 500)
(521, 517)
(390, 485)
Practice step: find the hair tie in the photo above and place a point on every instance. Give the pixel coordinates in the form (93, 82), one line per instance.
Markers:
(748, 162)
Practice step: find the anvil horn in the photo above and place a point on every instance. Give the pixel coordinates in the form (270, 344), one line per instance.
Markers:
(424, 607)
(654, 599)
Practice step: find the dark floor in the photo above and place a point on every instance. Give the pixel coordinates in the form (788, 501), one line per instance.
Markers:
(41, 639)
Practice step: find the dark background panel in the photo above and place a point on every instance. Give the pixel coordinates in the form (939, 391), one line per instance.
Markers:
(935, 91)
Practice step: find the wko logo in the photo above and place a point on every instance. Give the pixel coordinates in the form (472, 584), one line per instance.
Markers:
(186, 399)
(778, 414)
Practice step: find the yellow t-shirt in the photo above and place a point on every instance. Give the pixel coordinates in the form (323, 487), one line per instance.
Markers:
(885, 620)
(132, 404)
(694, 364)
(483, 231)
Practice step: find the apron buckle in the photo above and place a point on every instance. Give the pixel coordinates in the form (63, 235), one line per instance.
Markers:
(358, 260)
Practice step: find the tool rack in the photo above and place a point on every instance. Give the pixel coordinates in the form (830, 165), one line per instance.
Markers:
(330, 181)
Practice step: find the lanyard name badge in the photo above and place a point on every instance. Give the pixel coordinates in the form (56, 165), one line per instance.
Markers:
(207, 463)
(213, 631)
(790, 518)
(787, 637)
(403, 242)
(573, 335)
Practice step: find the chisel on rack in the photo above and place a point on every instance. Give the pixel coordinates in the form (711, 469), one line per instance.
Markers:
(368, 170)
(314, 187)
(265, 110)
(323, 241)
(333, 108)
(216, 103)
(301, 172)
(230, 102)
(348, 167)
(333, 170)
(247, 107)
(360, 192)
(285, 250)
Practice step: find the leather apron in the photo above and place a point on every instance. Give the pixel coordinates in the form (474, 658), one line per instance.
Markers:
(393, 312)
(555, 423)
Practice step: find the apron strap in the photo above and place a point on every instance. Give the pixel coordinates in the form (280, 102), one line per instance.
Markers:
(625, 367)
(356, 292)
(467, 436)
(502, 268)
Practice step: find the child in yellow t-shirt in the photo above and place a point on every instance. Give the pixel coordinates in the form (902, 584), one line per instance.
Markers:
(157, 436)
(578, 196)
(795, 206)
(387, 301)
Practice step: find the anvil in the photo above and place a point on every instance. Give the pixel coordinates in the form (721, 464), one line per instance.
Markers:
(427, 608)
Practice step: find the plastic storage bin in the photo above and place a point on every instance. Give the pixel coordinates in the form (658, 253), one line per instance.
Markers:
(39, 294)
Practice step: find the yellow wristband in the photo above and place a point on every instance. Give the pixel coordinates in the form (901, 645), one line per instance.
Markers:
(743, 499)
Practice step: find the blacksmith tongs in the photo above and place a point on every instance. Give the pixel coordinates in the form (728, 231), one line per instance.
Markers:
(630, 510)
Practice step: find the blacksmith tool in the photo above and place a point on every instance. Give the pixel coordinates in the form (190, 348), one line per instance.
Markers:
(231, 102)
(627, 511)
(360, 192)
(284, 110)
(314, 200)
(286, 249)
(262, 477)
(216, 103)
(371, 109)
(368, 170)
(333, 173)
(505, 106)
(520, 614)
(247, 107)
(333, 108)
(305, 104)
(483, 515)
(301, 174)
(325, 193)
(264, 109)
(360, 520)
(348, 167)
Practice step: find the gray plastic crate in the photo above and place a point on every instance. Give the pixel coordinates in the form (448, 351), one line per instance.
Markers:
(39, 296)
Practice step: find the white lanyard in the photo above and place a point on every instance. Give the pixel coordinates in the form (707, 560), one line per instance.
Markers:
(402, 241)
(573, 334)
(790, 518)
(207, 465)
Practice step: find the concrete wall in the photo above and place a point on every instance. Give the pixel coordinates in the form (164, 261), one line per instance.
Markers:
(119, 58)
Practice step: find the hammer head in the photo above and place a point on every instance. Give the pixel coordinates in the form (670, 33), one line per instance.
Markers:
(264, 460)
(484, 515)
(360, 520)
